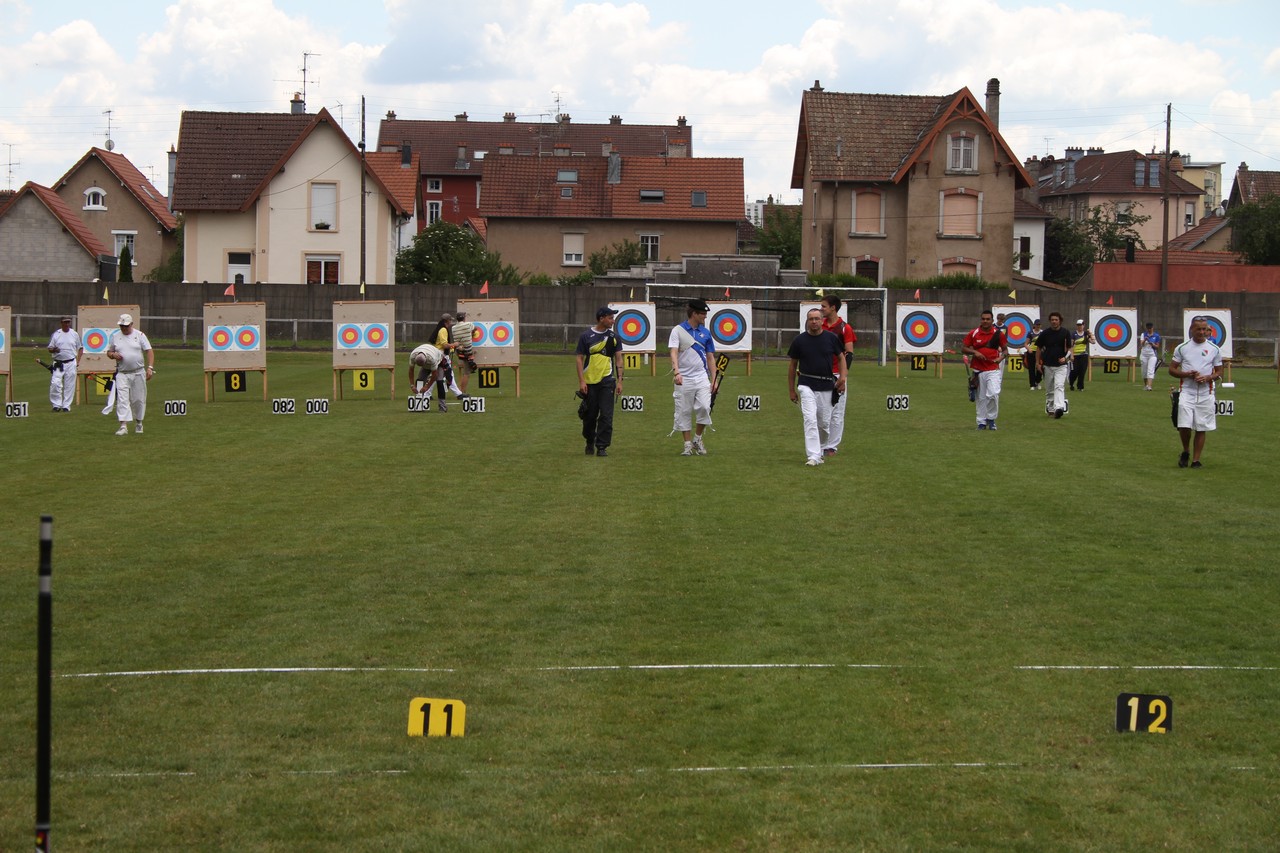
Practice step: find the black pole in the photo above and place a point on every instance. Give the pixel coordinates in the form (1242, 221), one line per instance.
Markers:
(44, 672)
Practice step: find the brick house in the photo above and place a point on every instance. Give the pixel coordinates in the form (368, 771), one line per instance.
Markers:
(549, 214)
(121, 207)
(905, 185)
(454, 153)
(41, 237)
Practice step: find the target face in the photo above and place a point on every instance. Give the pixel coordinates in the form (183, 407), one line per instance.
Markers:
(247, 339)
(2, 340)
(501, 334)
(920, 329)
(1114, 334)
(1217, 331)
(633, 328)
(220, 338)
(376, 335)
(480, 334)
(1017, 329)
(352, 336)
(94, 340)
(349, 336)
(728, 327)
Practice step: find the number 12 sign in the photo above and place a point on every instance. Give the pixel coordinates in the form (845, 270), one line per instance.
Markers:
(1143, 712)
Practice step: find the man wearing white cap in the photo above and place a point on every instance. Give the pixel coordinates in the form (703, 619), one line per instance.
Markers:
(136, 366)
(66, 350)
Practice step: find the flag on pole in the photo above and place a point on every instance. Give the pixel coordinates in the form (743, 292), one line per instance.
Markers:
(230, 291)
(917, 294)
(726, 293)
(484, 289)
(632, 295)
(105, 297)
(362, 288)
(818, 293)
(1111, 300)
(1013, 294)
(1204, 300)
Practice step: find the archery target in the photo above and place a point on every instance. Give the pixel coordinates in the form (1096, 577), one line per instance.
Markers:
(247, 339)
(1114, 332)
(1017, 323)
(3, 340)
(349, 336)
(920, 329)
(95, 340)
(220, 338)
(363, 336)
(730, 326)
(1219, 327)
(480, 334)
(501, 334)
(376, 335)
(634, 325)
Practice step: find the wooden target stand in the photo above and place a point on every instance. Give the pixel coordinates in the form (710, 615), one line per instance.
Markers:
(210, 373)
(484, 384)
(84, 379)
(337, 378)
(1131, 371)
(8, 386)
(937, 362)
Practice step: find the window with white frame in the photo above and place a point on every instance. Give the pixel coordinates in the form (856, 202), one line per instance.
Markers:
(95, 198)
(649, 245)
(1124, 212)
(324, 206)
(1189, 216)
(962, 152)
(961, 213)
(573, 248)
(433, 212)
(126, 239)
(323, 269)
(435, 185)
(868, 212)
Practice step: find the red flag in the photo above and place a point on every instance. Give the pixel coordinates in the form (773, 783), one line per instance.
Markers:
(1111, 300)
(230, 291)
(726, 293)
(917, 294)
(484, 289)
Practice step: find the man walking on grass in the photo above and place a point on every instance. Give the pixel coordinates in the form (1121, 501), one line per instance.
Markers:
(815, 354)
(986, 348)
(1198, 363)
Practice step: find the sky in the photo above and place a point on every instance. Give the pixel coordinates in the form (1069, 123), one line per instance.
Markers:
(1084, 73)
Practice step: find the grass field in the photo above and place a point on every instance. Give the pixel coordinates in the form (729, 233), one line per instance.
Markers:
(918, 645)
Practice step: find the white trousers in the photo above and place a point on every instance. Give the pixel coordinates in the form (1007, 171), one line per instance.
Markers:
(815, 410)
(1149, 366)
(988, 399)
(693, 403)
(1055, 384)
(131, 396)
(837, 422)
(62, 385)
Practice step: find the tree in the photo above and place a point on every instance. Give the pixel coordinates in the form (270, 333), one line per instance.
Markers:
(125, 273)
(619, 256)
(780, 235)
(445, 253)
(1255, 231)
(170, 268)
(1072, 246)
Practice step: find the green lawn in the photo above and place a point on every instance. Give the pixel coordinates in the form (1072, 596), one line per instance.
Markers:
(654, 652)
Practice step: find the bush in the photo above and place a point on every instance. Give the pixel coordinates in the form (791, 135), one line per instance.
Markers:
(951, 281)
(839, 281)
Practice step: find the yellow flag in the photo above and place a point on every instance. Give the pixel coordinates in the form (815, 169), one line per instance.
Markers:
(1013, 294)
(818, 293)
(105, 296)
(1204, 300)
(362, 288)
(633, 294)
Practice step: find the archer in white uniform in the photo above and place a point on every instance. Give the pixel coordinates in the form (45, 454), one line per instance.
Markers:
(66, 350)
(136, 365)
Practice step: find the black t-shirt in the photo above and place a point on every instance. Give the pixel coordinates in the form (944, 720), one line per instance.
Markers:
(1054, 345)
(814, 353)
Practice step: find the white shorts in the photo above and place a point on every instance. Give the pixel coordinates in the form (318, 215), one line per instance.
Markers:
(1201, 416)
(691, 403)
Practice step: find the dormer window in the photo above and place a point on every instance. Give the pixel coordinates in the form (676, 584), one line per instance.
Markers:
(95, 199)
(962, 152)
(653, 196)
(567, 176)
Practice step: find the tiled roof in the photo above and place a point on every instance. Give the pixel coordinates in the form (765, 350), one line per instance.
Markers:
(1251, 186)
(1023, 209)
(1193, 237)
(132, 180)
(437, 142)
(516, 186)
(226, 160)
(401, 181)
(64, 214)
(479, 225)
(1112, 173)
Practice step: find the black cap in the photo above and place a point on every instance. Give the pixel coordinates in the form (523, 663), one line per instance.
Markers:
(699, 305)
(605, 311)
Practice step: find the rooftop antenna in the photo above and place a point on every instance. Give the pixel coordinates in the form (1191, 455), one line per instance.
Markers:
(12, 163)
(111, 146)
(306, 56)
(1047, 140)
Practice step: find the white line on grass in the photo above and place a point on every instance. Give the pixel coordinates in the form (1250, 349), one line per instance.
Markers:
(653, 666)
(257, 670)
(1172, 666)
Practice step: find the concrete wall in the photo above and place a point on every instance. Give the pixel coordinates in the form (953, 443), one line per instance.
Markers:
(33, 243)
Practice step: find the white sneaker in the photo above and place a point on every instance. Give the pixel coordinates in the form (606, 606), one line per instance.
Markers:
(124, 430)
(138, 429)
(812, 463)
(699, 448)
(688, 449)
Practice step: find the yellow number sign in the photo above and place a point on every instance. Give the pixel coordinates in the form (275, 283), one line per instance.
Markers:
(631, 360)
(362, 380)
(437, 718)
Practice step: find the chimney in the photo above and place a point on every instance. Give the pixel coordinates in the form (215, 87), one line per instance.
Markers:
(406, 154)
(173, 171)
(1074, 153)
(297, 106)
(615, 119)
(509, 117)
(391, 115)
(460, 117)
(564, 118)
(677, 148)
(681, 121)
(993, 100)
(613, 172)
(606, 147)
(817, 87)
(1092, 151)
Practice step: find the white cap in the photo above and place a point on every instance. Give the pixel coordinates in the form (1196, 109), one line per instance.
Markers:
(126, 319)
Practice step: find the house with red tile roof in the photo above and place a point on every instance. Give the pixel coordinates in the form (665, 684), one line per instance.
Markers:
(1129, 183)
(276, 197)
(121, 207)
(905, 185)
(41, 237)
(1252, 186)
(549, 214)
(454, 153)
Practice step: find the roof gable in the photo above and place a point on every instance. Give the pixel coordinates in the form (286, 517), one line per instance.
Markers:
(1252, 186)
(64, 214)
(133, 181)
